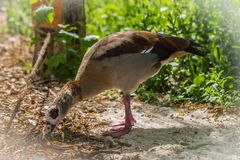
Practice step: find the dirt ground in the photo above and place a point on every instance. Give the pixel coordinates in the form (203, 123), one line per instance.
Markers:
(181, 132)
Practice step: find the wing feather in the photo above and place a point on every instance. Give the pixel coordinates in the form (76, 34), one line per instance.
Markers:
(133, 42)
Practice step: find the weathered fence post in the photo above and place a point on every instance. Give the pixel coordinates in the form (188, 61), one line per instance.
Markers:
(74, 14)
(70, 12)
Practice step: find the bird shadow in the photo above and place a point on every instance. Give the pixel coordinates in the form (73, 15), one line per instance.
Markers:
(67, 136)
(141, 139)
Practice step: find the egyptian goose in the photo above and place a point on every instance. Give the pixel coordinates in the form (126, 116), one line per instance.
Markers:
(122, 60)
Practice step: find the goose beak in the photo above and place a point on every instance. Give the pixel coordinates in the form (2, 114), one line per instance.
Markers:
(48, 129)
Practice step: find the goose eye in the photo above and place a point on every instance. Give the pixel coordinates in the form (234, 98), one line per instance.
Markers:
(64, 98)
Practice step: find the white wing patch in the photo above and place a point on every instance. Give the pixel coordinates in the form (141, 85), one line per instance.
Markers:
(147, 50)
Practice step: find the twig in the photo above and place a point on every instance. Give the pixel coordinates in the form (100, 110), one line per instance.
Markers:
(39, 62)
(53, 93)
(29, 80)
(16, 109)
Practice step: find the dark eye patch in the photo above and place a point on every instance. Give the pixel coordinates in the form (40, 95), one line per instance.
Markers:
(53, 113)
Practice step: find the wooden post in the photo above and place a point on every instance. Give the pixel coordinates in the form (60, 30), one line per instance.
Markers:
(74, 15)
(70, 12)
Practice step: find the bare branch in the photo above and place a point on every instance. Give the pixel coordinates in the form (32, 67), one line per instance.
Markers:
(41, 57)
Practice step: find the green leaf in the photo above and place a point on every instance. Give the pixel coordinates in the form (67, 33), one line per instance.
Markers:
(56, 60)
(72, 35)
(198, 80)
(50, 17)
(88, 41)
(43, 14)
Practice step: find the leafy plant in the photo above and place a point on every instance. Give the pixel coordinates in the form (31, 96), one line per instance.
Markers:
(67, 54)
(65, 61)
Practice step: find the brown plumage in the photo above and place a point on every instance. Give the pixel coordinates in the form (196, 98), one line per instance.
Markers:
(123, 60)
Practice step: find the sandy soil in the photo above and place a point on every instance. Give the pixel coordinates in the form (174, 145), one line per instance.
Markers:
(160, 132)
(164, 133)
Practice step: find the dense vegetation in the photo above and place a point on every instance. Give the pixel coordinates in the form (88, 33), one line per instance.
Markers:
(214, 24)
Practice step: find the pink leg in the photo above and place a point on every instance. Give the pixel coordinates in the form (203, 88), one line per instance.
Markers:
(129, 120)
(117, 124)
(126, 98)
